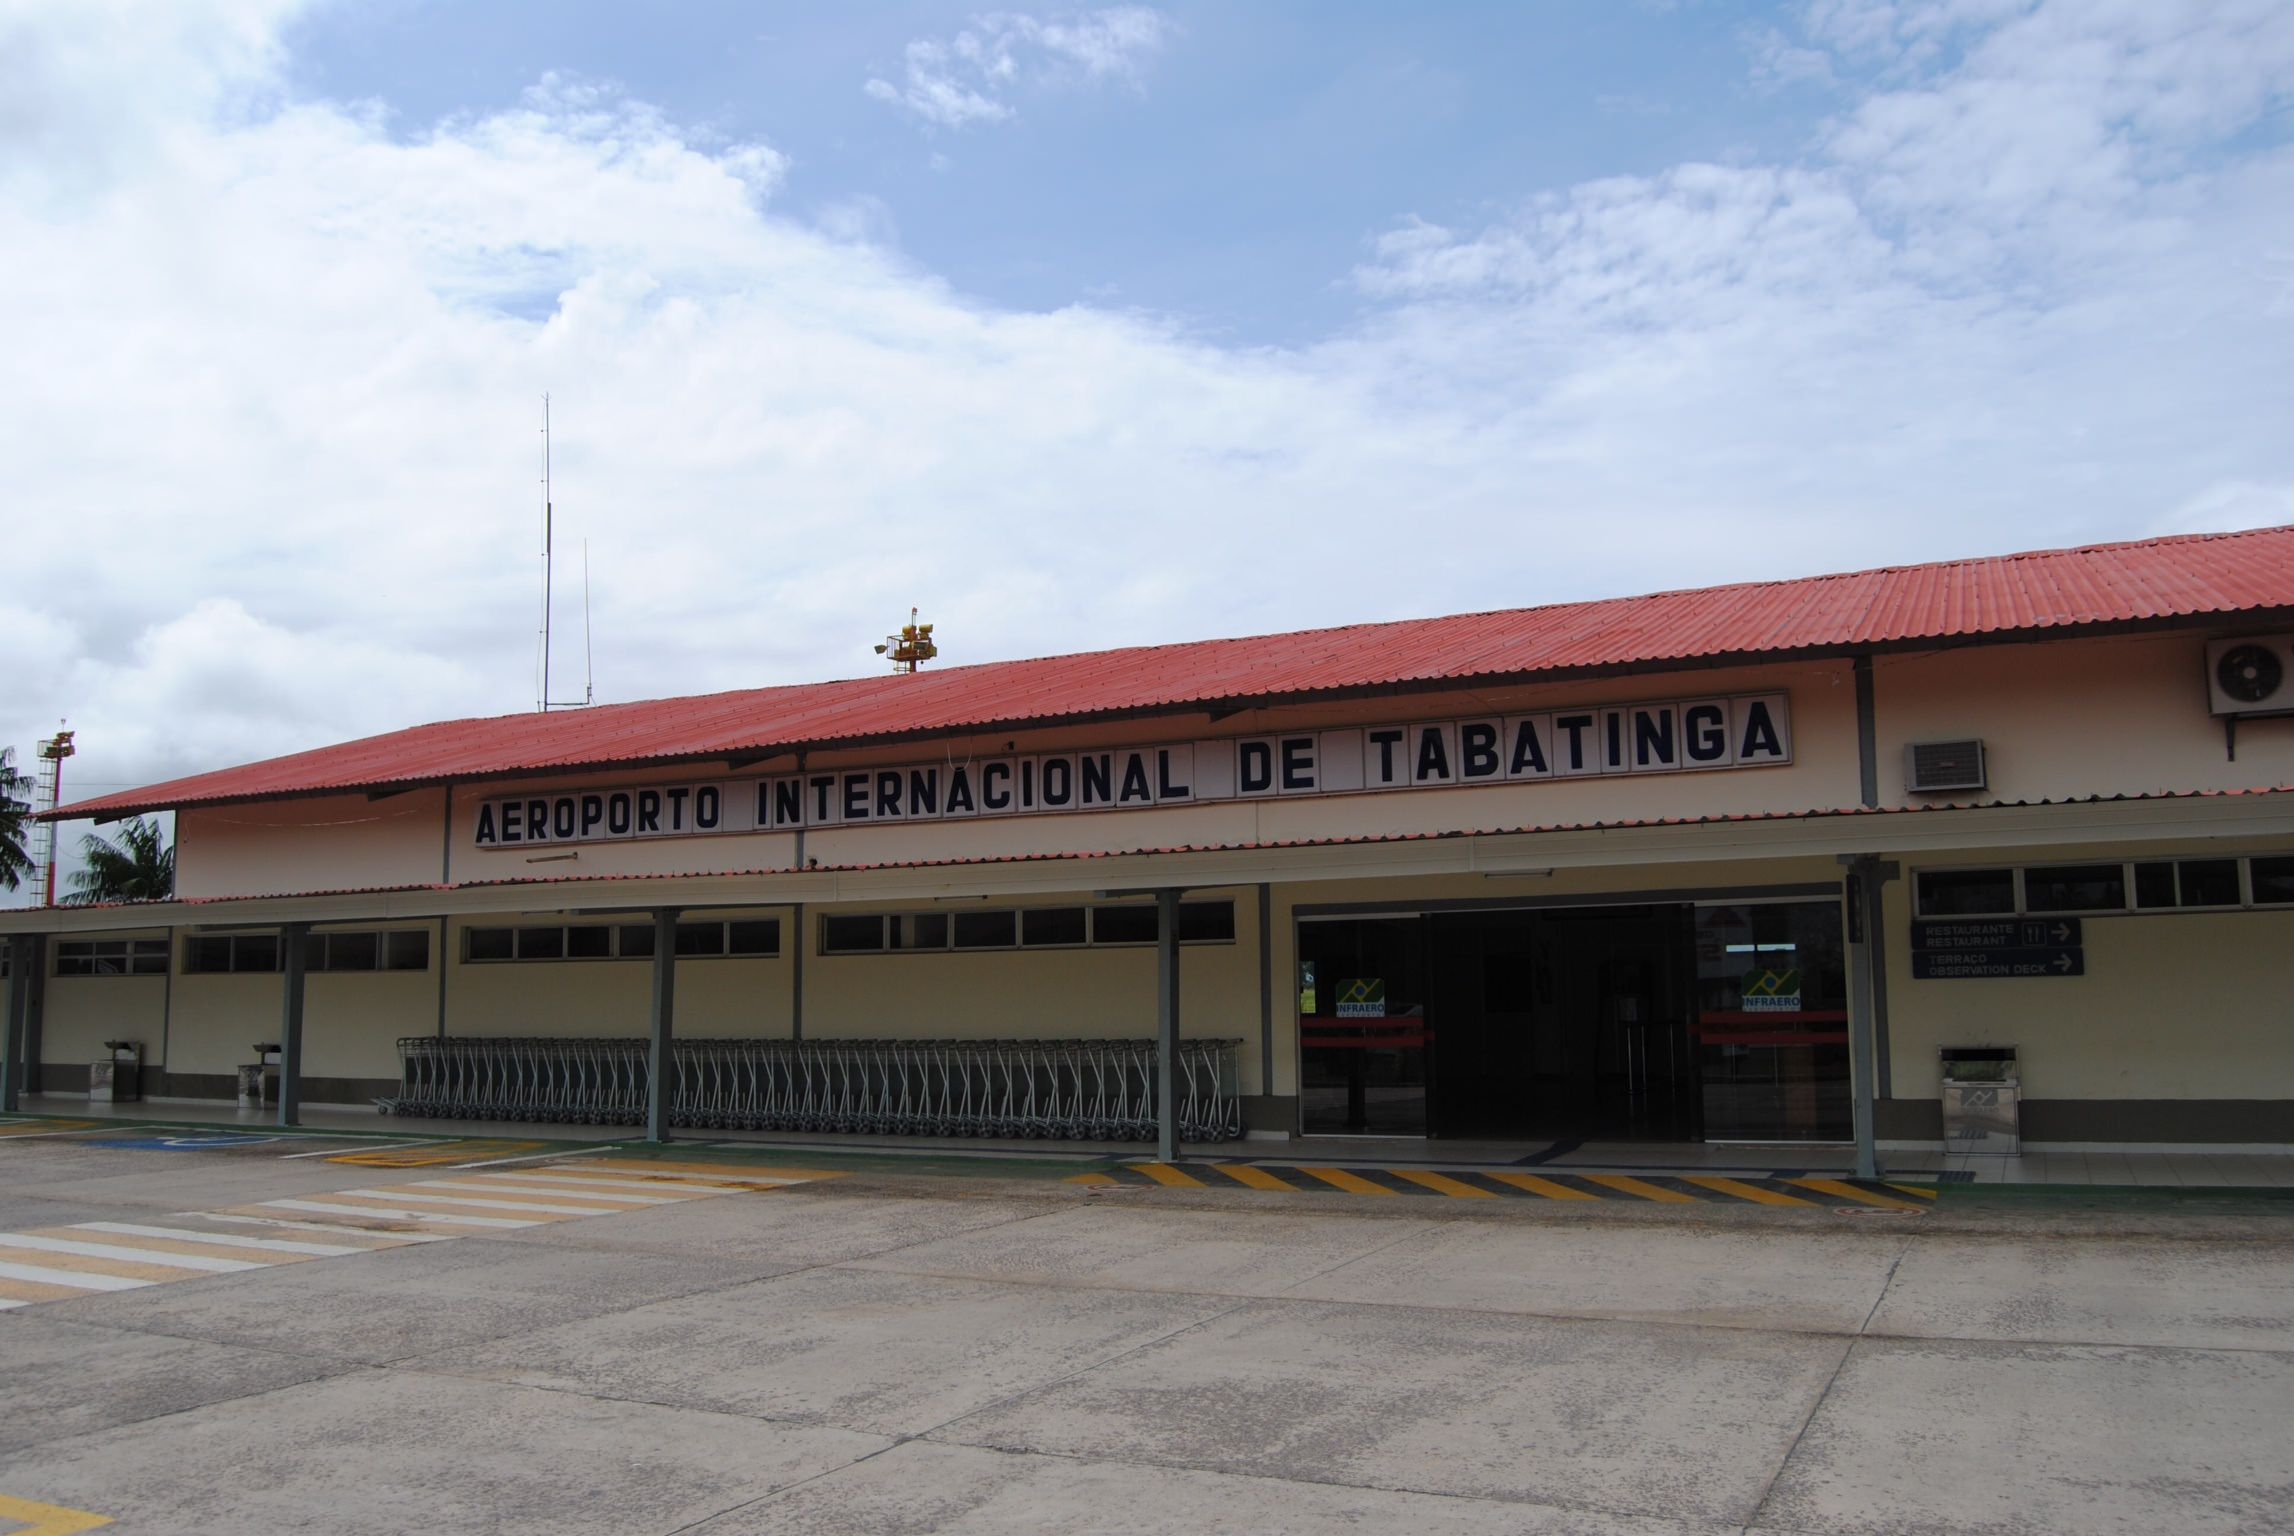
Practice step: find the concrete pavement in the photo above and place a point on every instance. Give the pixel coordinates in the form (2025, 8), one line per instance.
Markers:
(909, 1355)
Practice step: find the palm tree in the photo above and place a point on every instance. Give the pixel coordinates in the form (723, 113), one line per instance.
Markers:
(137, 867)
(15, 805)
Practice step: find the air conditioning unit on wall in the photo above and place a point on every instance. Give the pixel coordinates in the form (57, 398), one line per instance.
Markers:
(1931, 767)
(2253, 675)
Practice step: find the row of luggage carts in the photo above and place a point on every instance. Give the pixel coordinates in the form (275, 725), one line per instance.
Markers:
(1096, 1090)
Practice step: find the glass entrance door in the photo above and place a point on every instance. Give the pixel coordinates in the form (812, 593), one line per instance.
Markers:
(1362, 1027)
(1771, 1029)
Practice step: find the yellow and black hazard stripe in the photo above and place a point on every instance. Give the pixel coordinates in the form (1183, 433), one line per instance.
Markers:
(1505, 1183)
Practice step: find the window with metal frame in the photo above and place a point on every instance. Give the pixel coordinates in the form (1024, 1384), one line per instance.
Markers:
(699, 939)
(111, 957)
(1130, 924)
(216, 954)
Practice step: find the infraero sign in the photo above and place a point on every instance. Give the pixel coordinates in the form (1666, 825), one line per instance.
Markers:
(1674, 736)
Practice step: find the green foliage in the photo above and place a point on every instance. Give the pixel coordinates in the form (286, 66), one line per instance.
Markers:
(15, 807)
(138, 866)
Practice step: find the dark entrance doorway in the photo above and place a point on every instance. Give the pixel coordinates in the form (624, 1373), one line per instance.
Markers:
(1563, 1023)
(1657, 1022)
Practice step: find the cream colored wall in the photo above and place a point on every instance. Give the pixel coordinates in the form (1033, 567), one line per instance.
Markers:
(329, 843)
(2073, 717)
(2174, 1005)
(218, 1019)
(719, 997)
(82, 1012)
(1090, 993)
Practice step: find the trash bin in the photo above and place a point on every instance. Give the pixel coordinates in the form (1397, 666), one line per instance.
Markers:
(259, 1079)
(1983, 1100)
(116, 1077)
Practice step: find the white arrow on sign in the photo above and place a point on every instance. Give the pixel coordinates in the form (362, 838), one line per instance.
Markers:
(2062, 933)
(2063, 963)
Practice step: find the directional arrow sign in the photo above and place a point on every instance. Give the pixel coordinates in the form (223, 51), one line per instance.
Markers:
(1990, 933)
(1980, 964)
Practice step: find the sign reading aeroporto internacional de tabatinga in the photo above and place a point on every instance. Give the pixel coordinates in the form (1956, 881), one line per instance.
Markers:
(1674, 736)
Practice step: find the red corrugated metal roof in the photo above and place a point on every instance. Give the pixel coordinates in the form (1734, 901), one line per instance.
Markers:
(2157, 580)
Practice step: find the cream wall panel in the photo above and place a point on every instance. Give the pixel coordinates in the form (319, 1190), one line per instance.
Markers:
(1098, 992)
(218, 1019)
(82, 1012)
(2174, 1005)
(2126, 715)
(352, 1020)
(332, 842)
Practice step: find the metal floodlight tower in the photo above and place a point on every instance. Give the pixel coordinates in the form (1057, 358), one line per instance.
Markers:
(911, 647)
(50, 794)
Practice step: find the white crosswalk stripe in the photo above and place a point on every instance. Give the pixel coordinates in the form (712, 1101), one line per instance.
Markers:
(95, 1257)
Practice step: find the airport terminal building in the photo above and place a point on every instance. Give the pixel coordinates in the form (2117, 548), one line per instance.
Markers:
(1735, 864)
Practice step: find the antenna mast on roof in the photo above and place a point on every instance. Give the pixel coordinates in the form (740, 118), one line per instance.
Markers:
(910, 646)
(543, 701)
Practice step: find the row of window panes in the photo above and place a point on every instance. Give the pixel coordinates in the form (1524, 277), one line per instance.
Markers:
(2147, 885)
(869, 933)
(395, 949)
(622, 941)
(111, 957)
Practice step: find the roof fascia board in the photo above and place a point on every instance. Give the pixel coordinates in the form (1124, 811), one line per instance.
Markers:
(1975, 829)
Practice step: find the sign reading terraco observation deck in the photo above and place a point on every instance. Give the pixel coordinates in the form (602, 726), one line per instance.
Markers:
(1676, 736)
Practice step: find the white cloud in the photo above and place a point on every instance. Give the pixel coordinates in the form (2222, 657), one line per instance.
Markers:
(971, 77)
(274, 380)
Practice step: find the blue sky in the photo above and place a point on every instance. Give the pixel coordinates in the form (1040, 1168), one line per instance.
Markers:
(1076, 326)
(1232, 182)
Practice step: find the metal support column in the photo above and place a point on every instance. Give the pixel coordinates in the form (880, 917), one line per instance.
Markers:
(1866, 935)
(1868, 784)
(12, 1027)
(796, 972)
(658, 1065)
(1167, 1025)
(292, 942)
(29, 1076)
(1266, 989)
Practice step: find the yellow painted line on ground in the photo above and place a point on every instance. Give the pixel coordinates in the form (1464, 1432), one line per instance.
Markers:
(560, 1197)
(1737, 1189)
(1922, 1191)
(1339, 1178)
(23, 1293)
(92, 1266)
(137, 1250)
(1531, 1184)
(48, 1127)
(48, 1519)
(437, 1155)
(1626, 1185)
(1164, 1173)
(1442, 1185)
(384, 1234)
(1097, 1180)
(423, 1200)
(1842, 1191)
(1255, 1177)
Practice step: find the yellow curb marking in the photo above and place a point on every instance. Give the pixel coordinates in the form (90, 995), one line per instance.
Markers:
(1339, 1178)
(1530, 1183)
(1742, 1191)
(1842, 1191)
(1442, 1185)
(1164, 1173)
(48, 1519)
(1631, 1186)
(1256, 1178)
